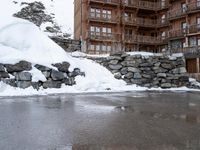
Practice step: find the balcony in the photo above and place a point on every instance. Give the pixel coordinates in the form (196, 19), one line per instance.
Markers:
(105, 2)
(194, 29)
(176, 34)
(181, 12)
(145, 22)
(188, 51)
(140, 39)
(193, 7)
(103, 18)
(100, 36)
(154, 6)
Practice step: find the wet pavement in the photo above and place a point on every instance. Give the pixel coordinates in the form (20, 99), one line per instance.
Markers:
(117, 121)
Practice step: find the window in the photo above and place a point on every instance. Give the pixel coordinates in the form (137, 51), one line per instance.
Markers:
(192, 41)
(198, 3)
(163, 3)
(163, 35)
(92, 47)
(92, 12)
(108, 48)
(106, 14)
(198, 42)
(183, 27)
(184, 7)
(97, 47)
(163, 18)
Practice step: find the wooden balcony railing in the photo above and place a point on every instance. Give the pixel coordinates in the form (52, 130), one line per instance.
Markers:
(146, 4)
(193, 7)
(187, 50)
(144, 39)
(101, 36)
(102, 18)
(177, 33)
(194, 28)
(177, 13)
(112, 2)
(145, 22)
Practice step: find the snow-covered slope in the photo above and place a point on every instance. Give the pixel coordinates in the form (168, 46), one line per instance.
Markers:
(60, 10)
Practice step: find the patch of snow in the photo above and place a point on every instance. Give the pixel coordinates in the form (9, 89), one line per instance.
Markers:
(37, 75)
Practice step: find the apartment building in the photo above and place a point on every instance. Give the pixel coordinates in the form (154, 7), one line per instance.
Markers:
(105, 26)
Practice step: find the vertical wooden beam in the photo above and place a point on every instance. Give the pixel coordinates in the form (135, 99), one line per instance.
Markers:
(198, 65)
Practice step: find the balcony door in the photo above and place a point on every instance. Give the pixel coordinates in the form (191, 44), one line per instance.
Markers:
(183, 27)
(198, 24)
(184, 7)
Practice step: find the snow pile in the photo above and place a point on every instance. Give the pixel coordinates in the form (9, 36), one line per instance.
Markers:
(56, 8)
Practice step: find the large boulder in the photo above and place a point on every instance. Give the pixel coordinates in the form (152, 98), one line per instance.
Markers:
(23, 76)
(4, 75)
(2, 69)
(42, 68)
(63, 67)
(18, 67)
(57, 76)
(23, 84)
(52, 84)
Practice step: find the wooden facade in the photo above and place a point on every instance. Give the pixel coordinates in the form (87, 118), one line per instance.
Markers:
(138, 25)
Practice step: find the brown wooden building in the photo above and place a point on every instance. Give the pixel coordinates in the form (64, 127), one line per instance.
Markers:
(139, 25)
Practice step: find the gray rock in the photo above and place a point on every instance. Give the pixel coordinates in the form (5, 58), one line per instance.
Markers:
(114, 58)
(23, 84)
(161, 75)
(132, 69)
(157, 64)
(2, 69)
(147, 76)
(118, 75)
(18, 67)
(166, 85)
(69, 81)
(36, 85)
(184, 79)
(23, 76)
(137, 75)
(124, 70)
(129, 75)
(56, 75)
(179, 70)
(115, 67)
(63, 67)
(113, 62)
(42, 68)
(146, 65)
(160, 70)
(4, 75)
(10, 82)
(52, 84)
(167, 66)
(76, 72)
(136, 81)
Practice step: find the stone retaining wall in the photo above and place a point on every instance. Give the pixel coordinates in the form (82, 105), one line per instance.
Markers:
(20, 75)
(69, 45)
(152, 71)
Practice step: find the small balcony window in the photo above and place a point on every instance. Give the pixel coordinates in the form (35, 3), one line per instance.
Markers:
(184, 7)
(198, 3)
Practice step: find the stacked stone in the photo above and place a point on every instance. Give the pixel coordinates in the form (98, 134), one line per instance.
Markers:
(69, 45)
(18, 75)
(152, 71)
